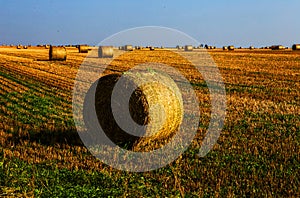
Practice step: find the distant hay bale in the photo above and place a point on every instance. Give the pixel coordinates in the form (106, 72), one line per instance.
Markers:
(151, 48)
(277, 47)
(281, 47)
(225, 48)
(128, 48)
(154, 104)
(105, 52)
(47, 46)
(25, 47)
(57, 53)
(251, 48)
(188, 48)
(296, 47)
(83, 49)
(231, 47)
(19, 46)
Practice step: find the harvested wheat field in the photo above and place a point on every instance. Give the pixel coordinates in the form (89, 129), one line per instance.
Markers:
(257, 154)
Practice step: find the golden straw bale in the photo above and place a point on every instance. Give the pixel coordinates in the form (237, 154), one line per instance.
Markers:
(83, 49)
(128, 48)
(105, 52)
(296, 47)
(155, 103)
(57, 53)
(188, 48)
(231, 47)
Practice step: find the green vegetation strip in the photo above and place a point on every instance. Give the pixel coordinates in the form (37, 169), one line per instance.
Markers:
(241, 174)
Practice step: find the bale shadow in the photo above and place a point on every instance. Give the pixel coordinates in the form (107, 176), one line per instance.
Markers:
(99, 111)
(39, 59)
(48, 137)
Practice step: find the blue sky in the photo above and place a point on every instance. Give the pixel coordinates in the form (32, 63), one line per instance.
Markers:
(214, 22)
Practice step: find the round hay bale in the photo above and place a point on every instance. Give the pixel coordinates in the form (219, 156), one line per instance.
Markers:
(231, 47)
(277, 47)
(57, 53)
(128, 48)
(296, 47)
(251, 48)
(25, 47)
(47, 46)
(159, 123)
(188, 48)
(105, 52)
(225, 48)
(83, 49)
(151, 48)
(281, 47)
(19, 46)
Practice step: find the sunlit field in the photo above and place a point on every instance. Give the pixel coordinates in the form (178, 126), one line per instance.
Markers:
(257, 153)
